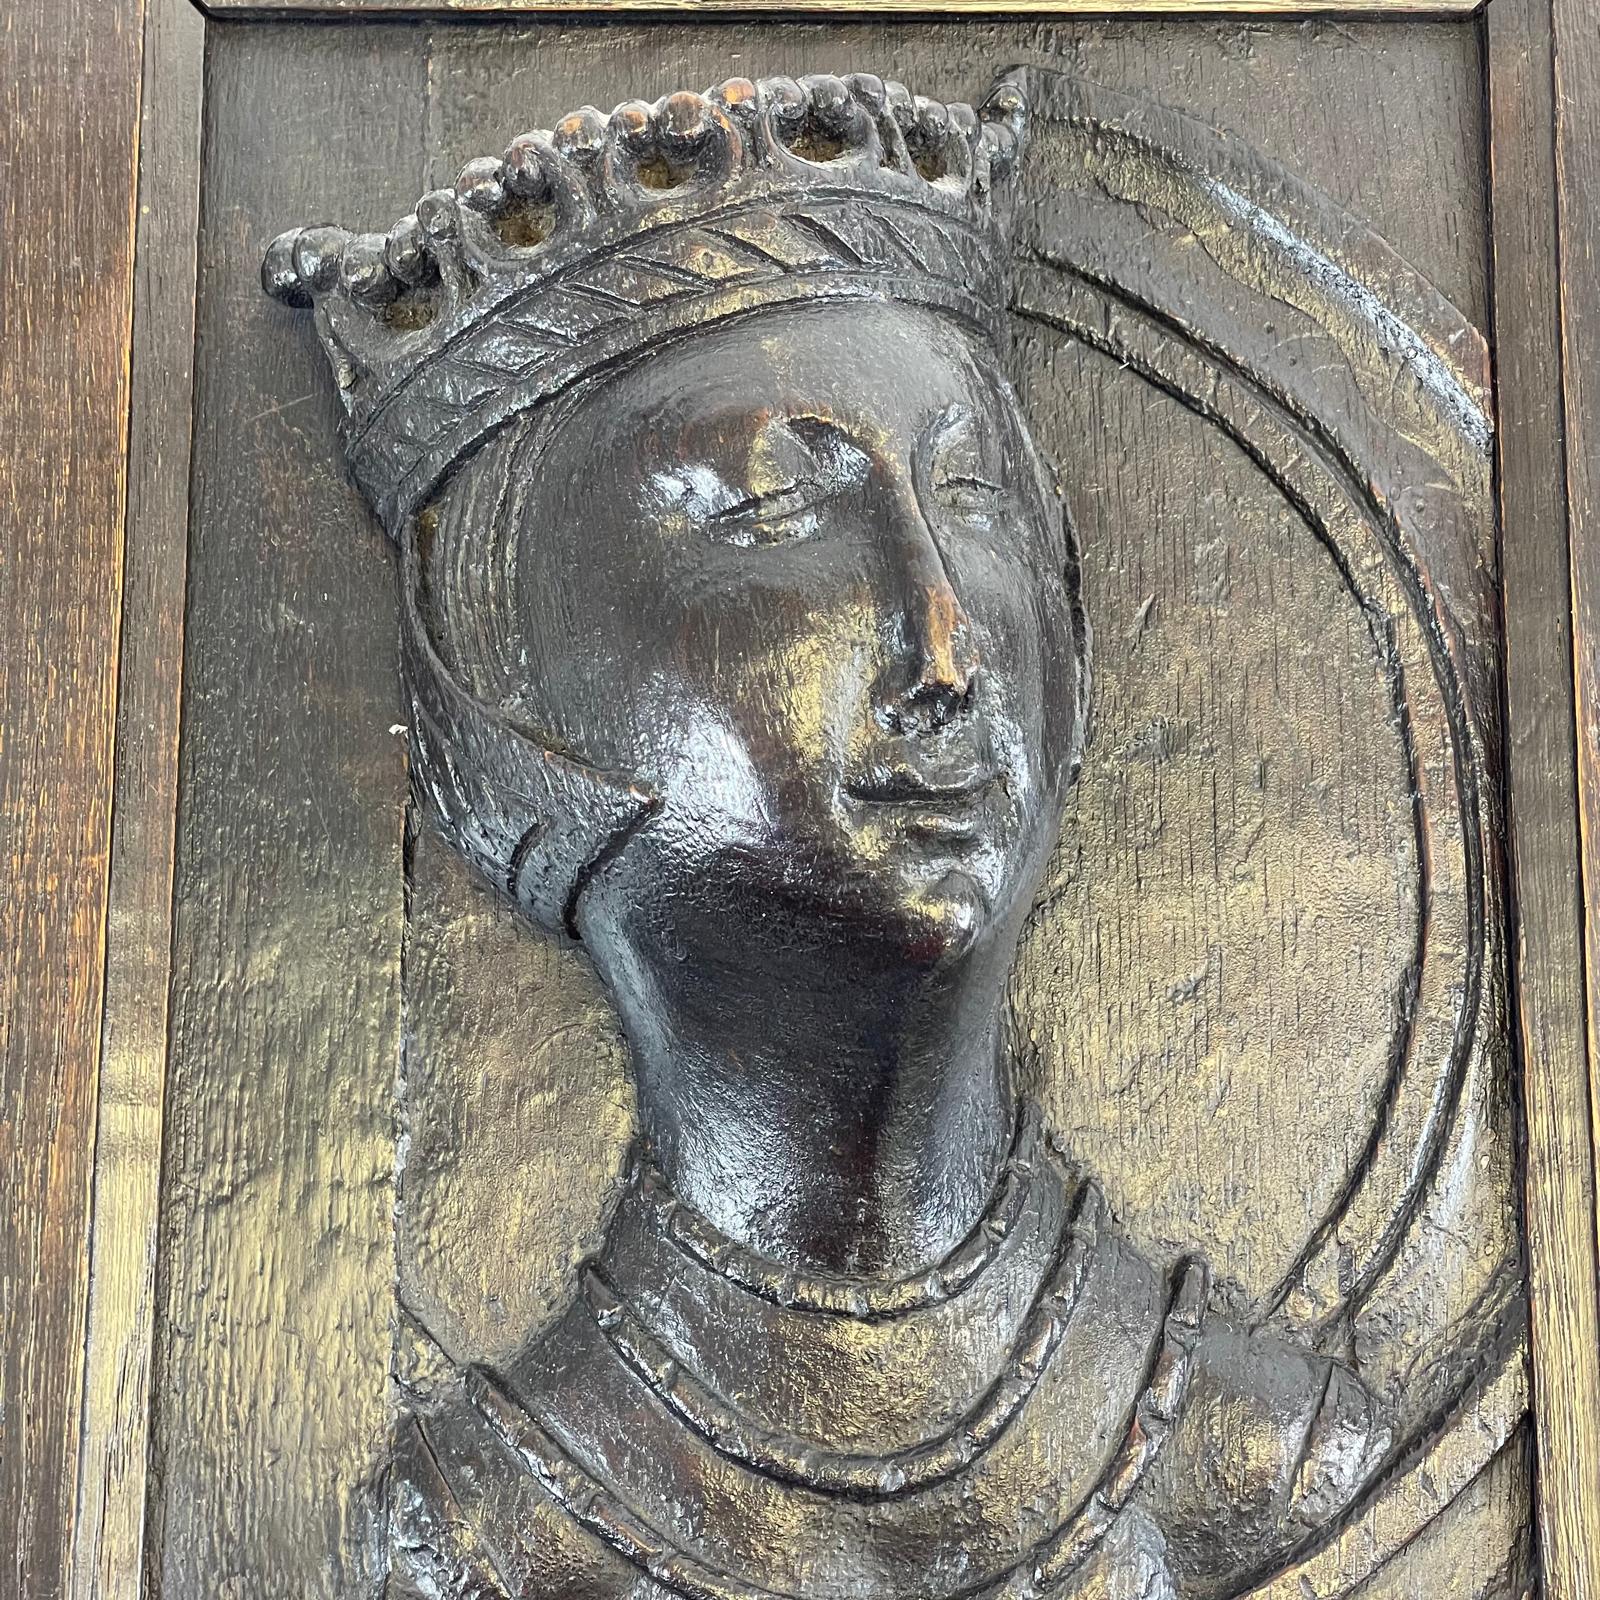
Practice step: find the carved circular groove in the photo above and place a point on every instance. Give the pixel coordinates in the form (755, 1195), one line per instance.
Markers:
(1336, 455)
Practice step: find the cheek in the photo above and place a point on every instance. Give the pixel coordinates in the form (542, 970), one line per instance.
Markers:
(1002, 598)
(1024, 624)
(784, 663)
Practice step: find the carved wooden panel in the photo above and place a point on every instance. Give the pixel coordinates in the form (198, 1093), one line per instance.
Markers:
(1260, 997)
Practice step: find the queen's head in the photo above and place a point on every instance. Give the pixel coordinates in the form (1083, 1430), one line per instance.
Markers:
(740, 615)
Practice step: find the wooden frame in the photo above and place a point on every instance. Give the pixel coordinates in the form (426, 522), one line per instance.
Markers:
(770, 8)
(95, 542)
(1544, 290)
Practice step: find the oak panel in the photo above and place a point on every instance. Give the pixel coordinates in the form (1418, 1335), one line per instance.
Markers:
(69, 77)
(290, 960)
(1542, 794)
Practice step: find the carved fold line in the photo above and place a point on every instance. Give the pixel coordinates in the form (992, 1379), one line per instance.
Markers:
(622, 303)
(1279, 208)
(1387, 1520)
(686, 277)
(597, 1509)
(1168, 1372)
(1047, 1565)
(437, 1534)
(852, 1297)
(917, 255)
(808, 1464)
(829, 238)
(728, 236)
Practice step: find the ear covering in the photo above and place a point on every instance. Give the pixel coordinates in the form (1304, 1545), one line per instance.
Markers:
(535, 822)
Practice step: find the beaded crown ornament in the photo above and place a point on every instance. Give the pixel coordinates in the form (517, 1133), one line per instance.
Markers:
(572, 253)
(587, 243)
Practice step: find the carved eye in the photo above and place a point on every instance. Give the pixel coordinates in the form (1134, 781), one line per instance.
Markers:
(795, 467)
(969, 494)
(779, 516)
(963, 480)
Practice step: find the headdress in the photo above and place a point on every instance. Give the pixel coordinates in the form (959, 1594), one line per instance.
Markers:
(566, 257)
(585, 244)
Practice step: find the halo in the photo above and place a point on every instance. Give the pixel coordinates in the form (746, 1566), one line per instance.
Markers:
(1158, 243)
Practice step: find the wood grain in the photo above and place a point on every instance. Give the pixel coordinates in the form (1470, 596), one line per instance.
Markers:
(277, 1238)
(1577, 126)
(108, 1533)
(1530, 320)
(1165, 8)
(69, 91)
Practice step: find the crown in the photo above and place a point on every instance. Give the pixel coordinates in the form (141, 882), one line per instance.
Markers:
(585, 244)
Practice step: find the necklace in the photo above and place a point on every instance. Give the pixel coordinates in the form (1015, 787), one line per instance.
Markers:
(1047, 1566)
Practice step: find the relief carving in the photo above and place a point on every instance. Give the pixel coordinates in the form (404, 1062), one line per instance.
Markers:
(746, 646)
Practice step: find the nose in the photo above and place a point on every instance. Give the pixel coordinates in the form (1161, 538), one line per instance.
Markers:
(934, 671)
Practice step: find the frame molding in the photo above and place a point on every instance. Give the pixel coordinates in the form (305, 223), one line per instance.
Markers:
(668, 9)
(104, 1090)
(69, 110)
(1541, 62)
(106, 1554)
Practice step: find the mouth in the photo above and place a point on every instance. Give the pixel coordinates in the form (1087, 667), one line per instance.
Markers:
(946, 805)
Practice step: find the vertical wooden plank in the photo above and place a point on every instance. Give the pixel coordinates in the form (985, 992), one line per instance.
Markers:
(107, 1538)
(1543, 796)
(69, 99)
(1577, 57)
(277, 1241)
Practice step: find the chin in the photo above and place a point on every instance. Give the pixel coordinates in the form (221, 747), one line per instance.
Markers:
(943, 919)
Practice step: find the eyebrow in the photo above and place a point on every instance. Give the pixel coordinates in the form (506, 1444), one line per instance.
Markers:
(957, 416)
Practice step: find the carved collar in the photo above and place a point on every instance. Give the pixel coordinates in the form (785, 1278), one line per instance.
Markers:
(864, 1298)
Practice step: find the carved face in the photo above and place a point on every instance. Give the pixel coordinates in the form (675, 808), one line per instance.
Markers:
(799, 576)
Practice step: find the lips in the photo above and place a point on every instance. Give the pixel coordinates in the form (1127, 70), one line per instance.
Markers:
(905, 781)
(916, 789)
(950, 802)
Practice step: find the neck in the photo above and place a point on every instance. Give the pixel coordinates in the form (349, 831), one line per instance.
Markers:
(860, 1138)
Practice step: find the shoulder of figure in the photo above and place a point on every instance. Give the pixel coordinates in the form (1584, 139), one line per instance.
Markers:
(468, 1520)
(1274, 1442)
